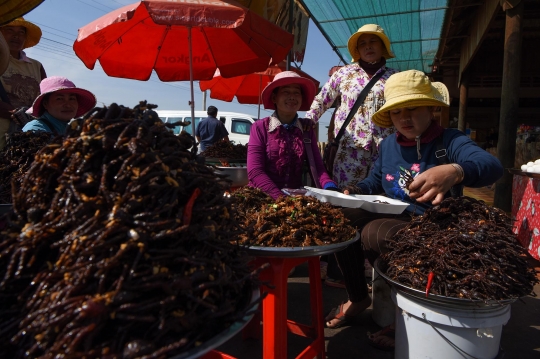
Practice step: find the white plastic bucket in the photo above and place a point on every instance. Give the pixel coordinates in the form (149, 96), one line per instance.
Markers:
(470, 332)
(384, 309)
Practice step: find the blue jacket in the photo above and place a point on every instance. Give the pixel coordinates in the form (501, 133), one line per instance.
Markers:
(210, 130)
(479, 166)
(59, 127)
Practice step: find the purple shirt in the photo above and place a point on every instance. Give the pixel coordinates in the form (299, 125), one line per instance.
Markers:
(275, 156)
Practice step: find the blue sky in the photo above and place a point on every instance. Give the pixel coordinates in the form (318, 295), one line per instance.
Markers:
(60, 20)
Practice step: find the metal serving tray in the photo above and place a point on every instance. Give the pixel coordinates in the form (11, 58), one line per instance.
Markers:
(225, 335)
(238, 175)
(439, 299)
(519, 172)
(233, 161)
(300, 252)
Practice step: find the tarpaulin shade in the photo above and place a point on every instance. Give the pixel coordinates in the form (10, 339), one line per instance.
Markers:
(413, 26)
(153, 35)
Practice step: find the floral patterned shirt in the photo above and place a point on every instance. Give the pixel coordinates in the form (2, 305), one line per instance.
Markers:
(359, 146)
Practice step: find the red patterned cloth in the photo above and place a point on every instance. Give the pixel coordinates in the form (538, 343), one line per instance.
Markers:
(525, 200)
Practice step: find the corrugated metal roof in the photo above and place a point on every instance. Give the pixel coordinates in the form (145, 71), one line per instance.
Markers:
(413, 26)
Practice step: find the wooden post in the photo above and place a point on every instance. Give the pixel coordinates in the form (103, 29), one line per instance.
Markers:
(506, 147)
(290, 29)
(463, 94)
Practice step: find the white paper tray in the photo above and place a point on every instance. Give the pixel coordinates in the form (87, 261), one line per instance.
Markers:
(366, 202)
(394, 206)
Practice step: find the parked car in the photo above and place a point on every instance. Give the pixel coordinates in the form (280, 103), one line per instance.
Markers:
(237, 124)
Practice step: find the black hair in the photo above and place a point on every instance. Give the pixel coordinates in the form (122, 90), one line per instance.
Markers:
(212, 111)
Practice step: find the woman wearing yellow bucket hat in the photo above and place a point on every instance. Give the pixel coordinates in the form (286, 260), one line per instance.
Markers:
(358, 148)
(19, 84)
(420, 164)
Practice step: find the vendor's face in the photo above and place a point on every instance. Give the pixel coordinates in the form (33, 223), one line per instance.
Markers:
(62, 106)
(370, 47)
(411, 121)
(288, 99)
(15, 37)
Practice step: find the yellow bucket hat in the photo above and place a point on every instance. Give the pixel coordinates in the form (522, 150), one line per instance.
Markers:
(33, 32)
(410, 89)
(4, 55)
(369, 29)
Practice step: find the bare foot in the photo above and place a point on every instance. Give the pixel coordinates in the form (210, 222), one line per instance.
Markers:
(346, 312)
(384, 339)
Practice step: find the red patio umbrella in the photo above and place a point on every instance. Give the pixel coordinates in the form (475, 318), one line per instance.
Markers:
(247, 88)
(181, 40)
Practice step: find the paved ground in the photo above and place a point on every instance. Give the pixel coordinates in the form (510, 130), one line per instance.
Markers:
(520, 338)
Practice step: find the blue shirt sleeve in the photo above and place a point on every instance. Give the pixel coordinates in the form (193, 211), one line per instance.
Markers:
(480, 167)
(36, 125)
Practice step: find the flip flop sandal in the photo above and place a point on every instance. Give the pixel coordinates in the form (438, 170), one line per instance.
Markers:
(336, 283)
(387, 332)
(344, 320)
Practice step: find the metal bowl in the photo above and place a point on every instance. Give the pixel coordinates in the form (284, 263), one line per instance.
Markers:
(238, 175)
(5, 208)
(380, 266)
(240, 162)
(227, 334)
(301, 252)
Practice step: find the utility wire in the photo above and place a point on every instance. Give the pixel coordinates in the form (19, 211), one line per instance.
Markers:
(103, 5)
(91, 5)
(58, 42)
(55, 29)
(63, 37)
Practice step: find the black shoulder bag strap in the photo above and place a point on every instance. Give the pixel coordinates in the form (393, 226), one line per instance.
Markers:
(3, 94)
(442, 158)
(357, 104)
(49, 124)
(311, 159)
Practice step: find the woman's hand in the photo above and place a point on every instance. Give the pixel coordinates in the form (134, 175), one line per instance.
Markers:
(433, 184)
(351, 190)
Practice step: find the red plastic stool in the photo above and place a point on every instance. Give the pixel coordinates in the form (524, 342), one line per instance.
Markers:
(274, 318)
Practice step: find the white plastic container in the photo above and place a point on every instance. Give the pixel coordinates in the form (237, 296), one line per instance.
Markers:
(384, 309)
(474, 331)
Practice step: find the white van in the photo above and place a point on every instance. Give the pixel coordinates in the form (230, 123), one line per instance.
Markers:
(237, 124)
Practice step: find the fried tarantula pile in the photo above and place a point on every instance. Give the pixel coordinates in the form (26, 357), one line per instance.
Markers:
(461, 248)
(121, 247)
(16, 158)
(289, 221)
(226, 151)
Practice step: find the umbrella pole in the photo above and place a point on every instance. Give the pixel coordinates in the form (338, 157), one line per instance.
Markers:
(192, 102)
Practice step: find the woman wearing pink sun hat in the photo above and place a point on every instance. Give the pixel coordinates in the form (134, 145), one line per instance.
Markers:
(278, 144)
(60, 101)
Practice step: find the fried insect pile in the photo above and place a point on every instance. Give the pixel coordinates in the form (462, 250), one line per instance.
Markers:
(289, 221)
(226, 151)
(16, 158)
(121, 248)
(468, 247)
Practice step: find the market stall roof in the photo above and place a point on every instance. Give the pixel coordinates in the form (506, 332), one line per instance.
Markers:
(414, 26)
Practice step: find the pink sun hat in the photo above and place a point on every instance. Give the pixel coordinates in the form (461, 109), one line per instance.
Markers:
(288, 78)
(85, 98)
